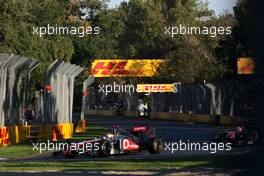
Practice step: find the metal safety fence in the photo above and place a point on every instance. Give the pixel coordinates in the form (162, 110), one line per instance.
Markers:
(15, 77)
(58, 97)
(51, 118)
(230, 98)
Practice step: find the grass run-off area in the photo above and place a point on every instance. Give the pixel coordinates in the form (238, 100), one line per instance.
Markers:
(92, 130)
(17, 151)
(26, 150)
(226, 162)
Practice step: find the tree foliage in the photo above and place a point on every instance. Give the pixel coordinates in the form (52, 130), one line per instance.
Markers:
(134, 30)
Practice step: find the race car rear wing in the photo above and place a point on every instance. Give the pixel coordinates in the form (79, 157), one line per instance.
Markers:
(144, 129)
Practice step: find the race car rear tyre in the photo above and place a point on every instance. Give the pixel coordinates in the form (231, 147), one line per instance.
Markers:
(56, 153)
(155, 146)
(252, 139)
(105, 148)
(73, 154)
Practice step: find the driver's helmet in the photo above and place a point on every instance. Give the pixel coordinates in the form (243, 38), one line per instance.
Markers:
(115, 131)
(239, 129)
(110, 136)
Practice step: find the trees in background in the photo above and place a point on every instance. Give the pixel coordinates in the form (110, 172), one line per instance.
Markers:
(192, 58)
(242, 42)
(16, 33)
(245, 30)
(135, 29)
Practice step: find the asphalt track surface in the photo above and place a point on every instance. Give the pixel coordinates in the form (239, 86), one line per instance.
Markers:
(168, 131)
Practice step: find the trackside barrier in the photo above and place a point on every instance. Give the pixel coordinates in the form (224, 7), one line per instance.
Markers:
(91, 112)
(201, 118)
(15, 74)
(4, 138)
(105, 113)
(226, 120)
(59, 131)
(80, 127)
(58, 100)
(35, 132)
(130, 113)
(20, 133)
(65, 130)
(17, 134)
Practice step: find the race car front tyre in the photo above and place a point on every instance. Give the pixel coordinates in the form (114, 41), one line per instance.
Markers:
(155, 146)
(105, 148)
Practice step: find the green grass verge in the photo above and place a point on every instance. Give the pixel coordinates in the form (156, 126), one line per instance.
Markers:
(92, 130)
(26, 150)
(226, 162)
(17, 151)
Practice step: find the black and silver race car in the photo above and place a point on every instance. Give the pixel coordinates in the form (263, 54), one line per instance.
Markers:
(116, 142)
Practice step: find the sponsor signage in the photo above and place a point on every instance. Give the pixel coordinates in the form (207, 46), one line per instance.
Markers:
(246, 66)
(156, 88)
(129, 145)
(126, 68)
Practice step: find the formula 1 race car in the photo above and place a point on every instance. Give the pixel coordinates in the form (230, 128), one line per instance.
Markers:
(116, 142)
(237, 138)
